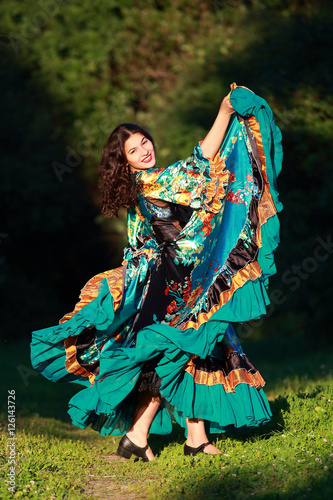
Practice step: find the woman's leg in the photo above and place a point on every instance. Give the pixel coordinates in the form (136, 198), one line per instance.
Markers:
(196, 435)
(148, 404)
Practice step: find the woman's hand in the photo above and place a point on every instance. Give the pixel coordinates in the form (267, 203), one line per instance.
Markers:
(212, 142)
(226, 107)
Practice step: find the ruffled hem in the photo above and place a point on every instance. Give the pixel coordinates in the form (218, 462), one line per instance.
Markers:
(53, 351)
(246, 408)
(109, 405)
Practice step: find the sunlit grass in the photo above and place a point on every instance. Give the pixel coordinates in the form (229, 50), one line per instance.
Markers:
(289, 458)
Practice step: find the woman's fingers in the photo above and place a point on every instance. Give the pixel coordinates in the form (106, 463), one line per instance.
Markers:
(226, 106)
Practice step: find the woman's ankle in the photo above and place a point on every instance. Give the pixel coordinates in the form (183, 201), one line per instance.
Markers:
(138, 437)
(195, 443)
(196, 433)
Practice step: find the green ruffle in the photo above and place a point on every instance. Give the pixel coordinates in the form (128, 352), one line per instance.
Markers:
(47, 345)
(247, 407)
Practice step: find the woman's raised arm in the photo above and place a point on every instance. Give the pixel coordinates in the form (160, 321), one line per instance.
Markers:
(213, 140)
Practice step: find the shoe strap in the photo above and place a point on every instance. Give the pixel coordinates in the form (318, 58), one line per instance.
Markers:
(201, 447)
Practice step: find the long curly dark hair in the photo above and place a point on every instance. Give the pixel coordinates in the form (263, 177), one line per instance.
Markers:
(118, 190)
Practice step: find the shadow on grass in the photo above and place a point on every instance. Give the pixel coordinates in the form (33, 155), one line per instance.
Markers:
(35, 425)
(159, 442)
(242, 485)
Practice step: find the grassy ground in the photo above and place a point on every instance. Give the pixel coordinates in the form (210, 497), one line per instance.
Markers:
(290, 458)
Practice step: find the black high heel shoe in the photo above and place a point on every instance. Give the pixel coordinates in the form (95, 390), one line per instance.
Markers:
(188, 450)
(126, 449)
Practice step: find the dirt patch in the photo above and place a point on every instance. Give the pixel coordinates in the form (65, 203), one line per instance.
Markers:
(111, 487)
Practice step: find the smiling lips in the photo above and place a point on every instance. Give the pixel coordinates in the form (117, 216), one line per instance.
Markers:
(147, 158)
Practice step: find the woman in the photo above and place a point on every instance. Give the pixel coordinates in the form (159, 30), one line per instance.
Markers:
(153, 338)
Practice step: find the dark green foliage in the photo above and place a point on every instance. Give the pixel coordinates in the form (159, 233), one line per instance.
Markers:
(71, 71)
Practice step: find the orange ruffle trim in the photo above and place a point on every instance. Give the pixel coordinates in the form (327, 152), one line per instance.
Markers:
(216, 188)
(229, 382)
(88, 293)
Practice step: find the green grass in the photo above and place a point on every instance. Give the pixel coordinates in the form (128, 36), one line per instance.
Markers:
(292, 457)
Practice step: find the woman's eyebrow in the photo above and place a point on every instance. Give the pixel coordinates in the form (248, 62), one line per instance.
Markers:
(134, 147)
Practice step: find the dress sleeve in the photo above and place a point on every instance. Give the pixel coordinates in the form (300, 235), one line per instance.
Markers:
(196, 181)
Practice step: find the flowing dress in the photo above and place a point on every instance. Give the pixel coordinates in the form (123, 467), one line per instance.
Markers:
(201, 240)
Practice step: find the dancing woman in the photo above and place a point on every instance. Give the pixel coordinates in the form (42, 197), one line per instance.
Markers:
(153, 339)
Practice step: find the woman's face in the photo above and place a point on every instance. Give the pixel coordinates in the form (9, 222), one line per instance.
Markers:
(139, 152)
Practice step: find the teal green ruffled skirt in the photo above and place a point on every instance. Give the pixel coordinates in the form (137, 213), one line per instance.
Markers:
(225, 396)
